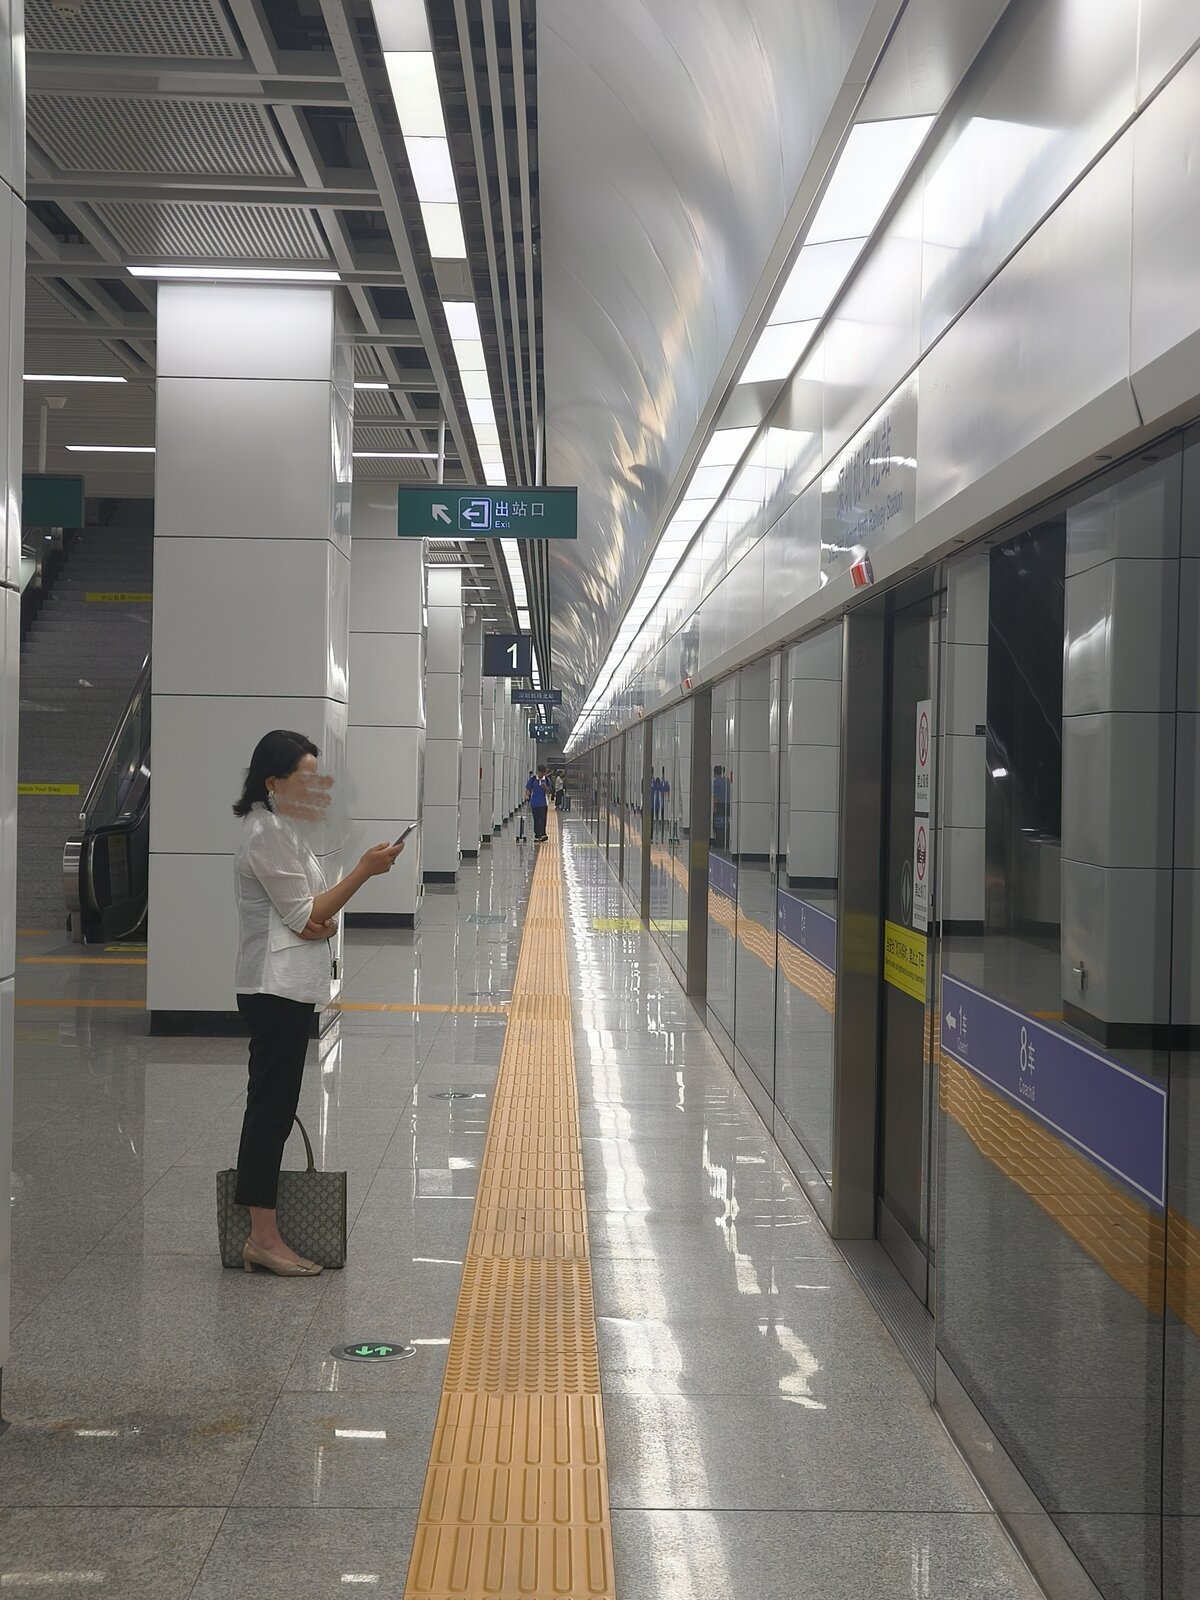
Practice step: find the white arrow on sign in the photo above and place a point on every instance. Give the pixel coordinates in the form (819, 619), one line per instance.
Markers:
(441, 513)
(951, 1020)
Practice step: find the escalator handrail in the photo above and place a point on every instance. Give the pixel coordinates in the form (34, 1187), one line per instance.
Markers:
(140, 687)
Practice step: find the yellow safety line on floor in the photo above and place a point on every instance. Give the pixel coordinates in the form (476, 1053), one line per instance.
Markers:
(83, 961)
(87, 1005)
(452, 1009)
(516, 1496)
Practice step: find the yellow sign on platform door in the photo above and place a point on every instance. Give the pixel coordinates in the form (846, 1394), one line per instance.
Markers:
(904, 953)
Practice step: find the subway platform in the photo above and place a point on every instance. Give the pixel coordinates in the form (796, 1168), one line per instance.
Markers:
(641, 1367)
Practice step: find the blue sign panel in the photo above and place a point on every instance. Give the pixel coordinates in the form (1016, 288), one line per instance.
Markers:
(536, 697)
(723, 876)
(807, 927)
(507, 655)
(1106, 1110)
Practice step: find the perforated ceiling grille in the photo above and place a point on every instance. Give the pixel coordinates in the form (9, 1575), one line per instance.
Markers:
(70, 355)
(126, 133)
(211, 232)
(188, 29)
(390, 469)
(371, 404)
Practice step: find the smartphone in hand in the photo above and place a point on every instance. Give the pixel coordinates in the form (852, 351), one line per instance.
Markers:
(405, 834)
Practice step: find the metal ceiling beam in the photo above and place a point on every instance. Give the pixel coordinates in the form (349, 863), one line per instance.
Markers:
(213, 191)
(47, 70)
(347, 47)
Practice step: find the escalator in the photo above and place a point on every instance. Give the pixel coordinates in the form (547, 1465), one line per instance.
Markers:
(106, 864)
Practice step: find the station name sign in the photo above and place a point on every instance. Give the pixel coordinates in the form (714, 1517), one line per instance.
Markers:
(536, 697)
(473, 511)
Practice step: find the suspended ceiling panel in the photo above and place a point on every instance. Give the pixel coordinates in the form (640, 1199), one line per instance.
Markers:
(200, 231)
(673, 136)
(130, 133)
(187, 29)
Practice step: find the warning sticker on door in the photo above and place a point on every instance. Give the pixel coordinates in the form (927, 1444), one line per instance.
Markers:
(920, 886)
(923, 785)
(904, 960)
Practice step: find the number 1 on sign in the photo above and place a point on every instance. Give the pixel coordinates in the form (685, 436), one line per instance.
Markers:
(512, 651)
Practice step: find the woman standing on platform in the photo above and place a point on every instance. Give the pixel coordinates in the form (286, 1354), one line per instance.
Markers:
(287, 918)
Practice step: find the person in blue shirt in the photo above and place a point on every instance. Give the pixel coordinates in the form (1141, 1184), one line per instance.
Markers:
(537, 791)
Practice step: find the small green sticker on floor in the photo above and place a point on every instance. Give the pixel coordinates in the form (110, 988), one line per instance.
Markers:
(372, 1350)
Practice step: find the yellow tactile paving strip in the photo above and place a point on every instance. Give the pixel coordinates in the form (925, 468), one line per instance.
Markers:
(515, 1505)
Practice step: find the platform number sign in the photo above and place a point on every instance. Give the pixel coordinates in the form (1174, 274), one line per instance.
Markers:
(507, 655)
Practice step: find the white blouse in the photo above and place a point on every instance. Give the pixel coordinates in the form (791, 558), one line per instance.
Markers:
(277, 878)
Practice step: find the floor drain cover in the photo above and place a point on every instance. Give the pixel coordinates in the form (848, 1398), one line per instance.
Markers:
(372, 1350)
(458, 1094)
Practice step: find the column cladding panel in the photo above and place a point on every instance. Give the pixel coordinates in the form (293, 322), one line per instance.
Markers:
(444, 731)
(385, 753)
(252, 489)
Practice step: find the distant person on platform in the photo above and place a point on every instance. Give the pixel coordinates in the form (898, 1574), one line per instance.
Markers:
(560, 792)
(536, 789)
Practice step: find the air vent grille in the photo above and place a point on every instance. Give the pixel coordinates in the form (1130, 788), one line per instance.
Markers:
(411, 471)
(205, 232)
(125, 133)
(194, 30)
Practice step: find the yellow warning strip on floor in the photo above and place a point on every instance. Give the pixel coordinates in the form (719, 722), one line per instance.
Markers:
(83, 961)
(516, 1495)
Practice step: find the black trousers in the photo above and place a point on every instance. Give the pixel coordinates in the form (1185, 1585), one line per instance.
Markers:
(539, 821)
(279, 1032)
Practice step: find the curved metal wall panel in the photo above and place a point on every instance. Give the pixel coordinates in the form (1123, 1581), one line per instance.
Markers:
(673, 135)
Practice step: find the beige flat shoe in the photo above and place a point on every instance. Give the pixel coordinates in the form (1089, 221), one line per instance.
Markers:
(253, 1257)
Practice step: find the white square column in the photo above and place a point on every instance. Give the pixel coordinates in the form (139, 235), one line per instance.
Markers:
(499, 751)
(251, 596)
(487, 759)
(441, 852)
(385, 744)
(12, 349)
(470, 830)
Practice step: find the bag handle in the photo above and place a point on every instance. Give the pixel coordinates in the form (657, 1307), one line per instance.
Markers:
(308, 1149)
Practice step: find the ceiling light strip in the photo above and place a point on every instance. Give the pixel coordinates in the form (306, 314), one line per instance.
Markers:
(864, 182)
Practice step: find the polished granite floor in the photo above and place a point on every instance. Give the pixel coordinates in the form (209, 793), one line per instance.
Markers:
(182, 1431)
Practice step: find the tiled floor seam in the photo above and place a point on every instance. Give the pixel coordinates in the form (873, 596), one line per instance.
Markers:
(516, 1492)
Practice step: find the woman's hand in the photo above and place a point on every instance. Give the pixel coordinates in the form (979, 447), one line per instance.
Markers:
(380, 858)
(320, 930)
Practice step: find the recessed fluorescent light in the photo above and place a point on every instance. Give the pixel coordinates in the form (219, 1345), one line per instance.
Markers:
(113, 449)
(433, 173)
(462, 319)
(413, 77)
(241, 274)
(371, 383)
(778, 350)
(63, 377)
(875, 158)
(395, 455)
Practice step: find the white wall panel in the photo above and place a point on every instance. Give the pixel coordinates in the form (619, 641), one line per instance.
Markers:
(443, 704)
(1121, 626)
(966, 687)
(202, 747)
(1119, 927)
(373, 509)
(378, 604)
(1187, 782)
(1117, 768)
(8, 390)
(991, 403)
(388, 674)
(1168, 31)
(10, 719)
(1135, 517)
(443, 774)
(305, 585)
(400, 888)
(230, 330)
(194, 953)
(1165, 318)
(209, 477)
(384, 772)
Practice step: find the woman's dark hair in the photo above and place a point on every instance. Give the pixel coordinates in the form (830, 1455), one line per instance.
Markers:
(276, 755)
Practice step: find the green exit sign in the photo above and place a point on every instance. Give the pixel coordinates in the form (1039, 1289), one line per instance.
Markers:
(463, 511)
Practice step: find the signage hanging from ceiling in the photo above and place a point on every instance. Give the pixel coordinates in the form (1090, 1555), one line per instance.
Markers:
(507, 655)
(536, 697)
(471, 511)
